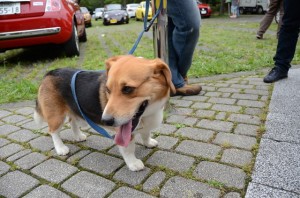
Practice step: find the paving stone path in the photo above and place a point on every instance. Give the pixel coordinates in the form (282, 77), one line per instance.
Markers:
(207, 148)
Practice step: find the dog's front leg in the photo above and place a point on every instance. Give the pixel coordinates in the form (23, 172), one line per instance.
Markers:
(150, 123)
(79, 136)
(128, 154)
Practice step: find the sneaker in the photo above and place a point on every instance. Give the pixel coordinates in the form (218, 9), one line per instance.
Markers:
(274, 75)
(188, 90)
(259, 36)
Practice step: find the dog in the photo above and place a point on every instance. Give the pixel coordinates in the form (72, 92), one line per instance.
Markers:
(129, 96)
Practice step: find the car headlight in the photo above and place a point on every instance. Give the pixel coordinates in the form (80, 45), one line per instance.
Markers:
(106, 15)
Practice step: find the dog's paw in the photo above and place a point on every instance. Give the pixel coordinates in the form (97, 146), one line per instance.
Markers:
(81, 137)
(63, 150)
(136, 165)
(151, 143)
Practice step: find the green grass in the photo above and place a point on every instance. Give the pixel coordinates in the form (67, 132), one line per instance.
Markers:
(225, 46)
(15, 90)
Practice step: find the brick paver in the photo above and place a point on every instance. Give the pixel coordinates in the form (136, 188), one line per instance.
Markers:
(207, 146)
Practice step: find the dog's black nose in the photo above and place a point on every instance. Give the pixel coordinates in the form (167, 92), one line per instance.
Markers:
(109, 121)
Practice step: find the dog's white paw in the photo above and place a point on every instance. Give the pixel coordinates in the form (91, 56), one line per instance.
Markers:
(136, 165)
(151, 143)
(80, 137)
(63, 150)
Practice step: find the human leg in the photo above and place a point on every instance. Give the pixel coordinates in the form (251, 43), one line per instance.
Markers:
(183, 33)
(287, 41)
(268, 18)
(288, 36)
(233, 11)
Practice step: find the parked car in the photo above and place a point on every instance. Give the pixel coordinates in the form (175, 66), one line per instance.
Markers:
(114, 13)
(253, 6)
(98, 13)
(87, 16)
(131, 9)
(31, 23)
(204, 9)
(141, 10)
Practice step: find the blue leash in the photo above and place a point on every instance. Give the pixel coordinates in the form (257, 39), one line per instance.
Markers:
(146, 28)
(97, 128)
(89, 121)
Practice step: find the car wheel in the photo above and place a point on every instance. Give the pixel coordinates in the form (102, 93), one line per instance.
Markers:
(136, 18)
(72, 45)
(260, 10)
(242, 11)
(83, 37)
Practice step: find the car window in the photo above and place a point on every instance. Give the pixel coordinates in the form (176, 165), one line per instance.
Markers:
(84, 9)
(143, 4)
(114, 7)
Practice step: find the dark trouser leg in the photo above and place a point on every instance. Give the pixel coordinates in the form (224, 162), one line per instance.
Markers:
(288, 35)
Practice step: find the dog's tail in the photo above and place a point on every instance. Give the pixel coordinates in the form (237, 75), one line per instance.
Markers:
(38, 118)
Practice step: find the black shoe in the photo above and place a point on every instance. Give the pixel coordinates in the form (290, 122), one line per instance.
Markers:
(274, 75)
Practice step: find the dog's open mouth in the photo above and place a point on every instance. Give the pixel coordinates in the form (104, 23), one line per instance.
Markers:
(123, 135)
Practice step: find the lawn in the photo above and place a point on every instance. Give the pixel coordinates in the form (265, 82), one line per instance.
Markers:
(225, 46)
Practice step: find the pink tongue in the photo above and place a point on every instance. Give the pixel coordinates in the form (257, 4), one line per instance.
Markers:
(123, 135)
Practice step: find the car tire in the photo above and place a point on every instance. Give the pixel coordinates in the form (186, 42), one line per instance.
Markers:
(260, 10)
(242, 11)
(136, 18)
(72, 45)
(83, 38)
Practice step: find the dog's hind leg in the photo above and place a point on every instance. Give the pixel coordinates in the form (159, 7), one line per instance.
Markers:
(54, 128)
(55, 117)
(78, 135)
(128, 154)
(60, 148)
(149, 123)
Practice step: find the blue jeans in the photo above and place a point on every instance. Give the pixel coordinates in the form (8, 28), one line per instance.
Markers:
(234, 10)
(288, 35)
(183, 33)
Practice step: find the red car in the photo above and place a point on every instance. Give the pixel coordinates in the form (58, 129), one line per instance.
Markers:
(25, 23)
(204, 9)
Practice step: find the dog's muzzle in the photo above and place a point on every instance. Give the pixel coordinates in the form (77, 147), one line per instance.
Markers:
(124, 132)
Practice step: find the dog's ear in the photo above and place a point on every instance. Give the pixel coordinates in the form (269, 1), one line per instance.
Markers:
(163, 68)
(109, 62)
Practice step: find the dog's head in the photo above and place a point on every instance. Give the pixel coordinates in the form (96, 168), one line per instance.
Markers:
(135, 87)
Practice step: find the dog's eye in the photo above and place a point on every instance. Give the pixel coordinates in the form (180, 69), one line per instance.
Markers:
(107, 90)
(127, 90)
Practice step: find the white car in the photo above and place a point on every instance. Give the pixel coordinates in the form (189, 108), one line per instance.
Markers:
(98, 13)
(131, 8)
